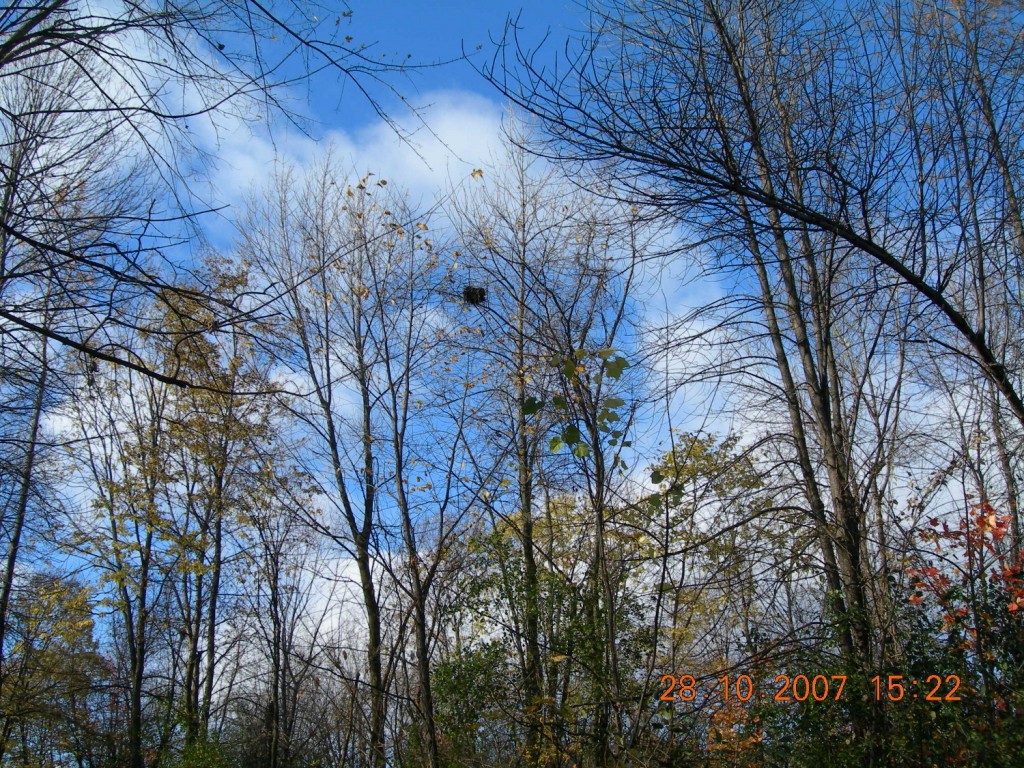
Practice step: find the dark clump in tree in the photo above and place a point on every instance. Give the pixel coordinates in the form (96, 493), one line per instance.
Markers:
(474, 294)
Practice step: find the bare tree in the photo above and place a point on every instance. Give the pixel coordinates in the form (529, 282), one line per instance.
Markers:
(558, 267)
(94, 131)
(359, 334)
(298, 241)
(846, 163)
(810, 116)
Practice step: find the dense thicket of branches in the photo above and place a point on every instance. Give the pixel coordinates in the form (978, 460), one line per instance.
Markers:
(97, 214)
(483, 484)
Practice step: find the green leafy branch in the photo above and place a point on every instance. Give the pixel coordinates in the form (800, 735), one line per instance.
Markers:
(572, 366)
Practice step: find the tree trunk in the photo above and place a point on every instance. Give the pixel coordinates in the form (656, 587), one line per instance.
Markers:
(21, 510)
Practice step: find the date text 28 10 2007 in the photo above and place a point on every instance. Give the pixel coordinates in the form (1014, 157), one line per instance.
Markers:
(816, 688)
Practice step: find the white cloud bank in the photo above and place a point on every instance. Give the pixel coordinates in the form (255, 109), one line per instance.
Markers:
(457, 132)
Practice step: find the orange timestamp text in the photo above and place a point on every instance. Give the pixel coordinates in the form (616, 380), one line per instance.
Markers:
(678, 688)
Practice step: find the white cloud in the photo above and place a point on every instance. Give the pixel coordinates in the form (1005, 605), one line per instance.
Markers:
(456, 133)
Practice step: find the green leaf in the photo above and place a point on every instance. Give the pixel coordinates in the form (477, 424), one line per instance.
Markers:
(604, 354)
(569, 368)
(615, 367)
(559, 402)
(614, 402)
(657, 477)
(555, 444)
(571, 434)
(532, 405)
(581, 450)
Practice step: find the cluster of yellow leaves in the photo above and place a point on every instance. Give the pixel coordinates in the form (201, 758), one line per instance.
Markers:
(730, 730)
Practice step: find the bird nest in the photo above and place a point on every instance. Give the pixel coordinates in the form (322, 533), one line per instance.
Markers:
(474, 294)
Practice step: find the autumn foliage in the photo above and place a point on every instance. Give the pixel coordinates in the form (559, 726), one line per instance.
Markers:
(967, 590)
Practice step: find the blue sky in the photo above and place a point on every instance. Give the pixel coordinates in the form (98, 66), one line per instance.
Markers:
(424, 33)
(463, 111)
(454, 131)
